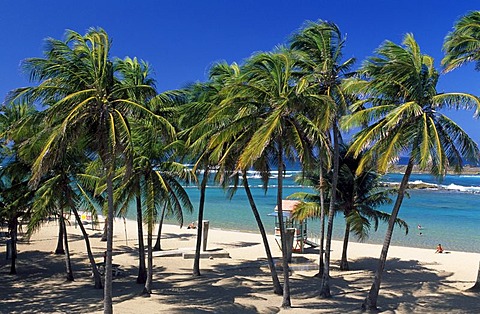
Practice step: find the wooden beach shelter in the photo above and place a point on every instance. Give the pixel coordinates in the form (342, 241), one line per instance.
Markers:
(299, 227)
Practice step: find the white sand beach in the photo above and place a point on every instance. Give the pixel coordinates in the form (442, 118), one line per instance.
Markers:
(415, 281)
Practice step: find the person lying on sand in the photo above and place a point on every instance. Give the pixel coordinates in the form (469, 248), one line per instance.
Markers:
(192, 226)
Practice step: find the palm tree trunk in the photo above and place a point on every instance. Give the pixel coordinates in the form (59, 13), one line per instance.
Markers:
(60, 249)
(321, 252)
(476, 286)
(13, 238)
(203, 187)
(105, 228)
(158, 245)
(325, 288)
(147, 290)
(142, 271)
(277, 287)
(344, 260)
(96, 274)
(68, 262)
(286, 302)
(107, 296)
(370, 302)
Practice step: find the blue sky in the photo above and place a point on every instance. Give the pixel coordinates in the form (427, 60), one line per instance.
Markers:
(182, 39)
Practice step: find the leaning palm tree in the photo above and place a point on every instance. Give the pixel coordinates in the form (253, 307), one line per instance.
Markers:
(54, 197)
(406, 117)
(86, 102)
(277, 102)
(232, 133)
(462, 46)
(324, 68)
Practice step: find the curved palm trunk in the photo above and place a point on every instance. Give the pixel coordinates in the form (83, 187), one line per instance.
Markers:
(60, 249)
(203, 187)
(13, 238)
(96, 274)
(476, 286)
(321, 252)
(142, 271)
(370, 302)
(325, 288)
(158, 245)
(344, 260)
(107, 296)
(68, 262)
(286, 302)
(277, 287)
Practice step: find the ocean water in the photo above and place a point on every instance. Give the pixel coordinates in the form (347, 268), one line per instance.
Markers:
(449, 213)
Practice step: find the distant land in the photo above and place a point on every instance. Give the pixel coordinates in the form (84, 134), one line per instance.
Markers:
(467, 169)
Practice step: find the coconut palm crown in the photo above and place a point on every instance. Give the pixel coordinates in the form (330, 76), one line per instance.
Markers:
(406, 118)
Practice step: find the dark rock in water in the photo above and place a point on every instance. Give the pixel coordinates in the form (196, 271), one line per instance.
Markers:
(411, 185)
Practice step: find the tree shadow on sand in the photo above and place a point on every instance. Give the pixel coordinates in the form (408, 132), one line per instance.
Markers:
(34, 294)
(216, 291)
(407, 287)
(226, 287)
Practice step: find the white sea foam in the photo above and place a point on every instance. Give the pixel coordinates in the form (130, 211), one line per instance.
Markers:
(461, 188)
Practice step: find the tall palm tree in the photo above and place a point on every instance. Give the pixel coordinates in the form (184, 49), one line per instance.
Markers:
(86, 102)
(138, 73)
(406, 118)
(277, 102)
(232, 133)
(199, 99)
(462, 46)
(323, 45)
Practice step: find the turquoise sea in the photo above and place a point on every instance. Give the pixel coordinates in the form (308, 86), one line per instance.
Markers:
(448, 214)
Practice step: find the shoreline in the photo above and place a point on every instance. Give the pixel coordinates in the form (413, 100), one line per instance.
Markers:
(240, 283)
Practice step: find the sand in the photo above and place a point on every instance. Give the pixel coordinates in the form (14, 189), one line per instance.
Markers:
(415, 280)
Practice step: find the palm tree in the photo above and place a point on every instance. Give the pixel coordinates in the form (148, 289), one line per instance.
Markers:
(162, 189)
(199, 99)
(323, 46)
(86, 102)
(230, 136)
(400, 83)
(277, 103)
(54, 197)
(16, 199)
(461, 46)
(138, 73)
(15, 196)
(359, 196)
